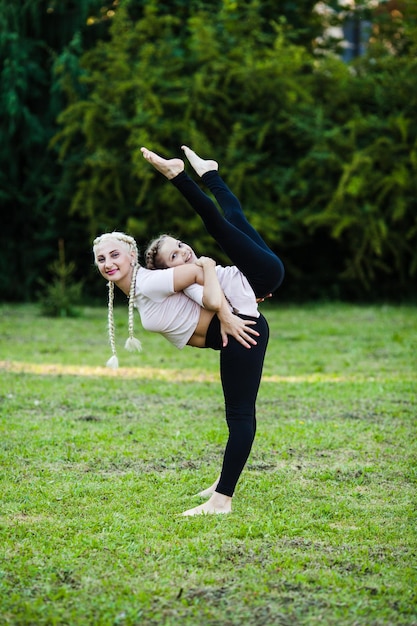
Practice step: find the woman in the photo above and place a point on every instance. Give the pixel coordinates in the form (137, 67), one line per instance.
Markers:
(241, 368)
(164, 308)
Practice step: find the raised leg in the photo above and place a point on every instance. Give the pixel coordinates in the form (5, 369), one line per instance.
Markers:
(262, 268)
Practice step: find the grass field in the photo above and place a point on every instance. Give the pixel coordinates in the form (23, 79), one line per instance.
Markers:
(97, 465)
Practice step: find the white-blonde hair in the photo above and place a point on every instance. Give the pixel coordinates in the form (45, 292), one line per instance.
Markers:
(131, 342)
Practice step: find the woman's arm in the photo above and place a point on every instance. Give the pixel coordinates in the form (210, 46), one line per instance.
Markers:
(214, 300)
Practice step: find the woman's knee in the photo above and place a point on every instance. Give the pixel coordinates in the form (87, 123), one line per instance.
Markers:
(241, 429)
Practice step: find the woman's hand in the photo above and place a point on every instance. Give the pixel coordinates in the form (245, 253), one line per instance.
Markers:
(237, 328)
(264, 298)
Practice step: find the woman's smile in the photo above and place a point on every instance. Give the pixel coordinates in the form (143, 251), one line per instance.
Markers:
(115, 262)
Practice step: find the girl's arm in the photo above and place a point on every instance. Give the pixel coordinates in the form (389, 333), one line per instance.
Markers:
(212, 292)
(186, 275)
(203, 272)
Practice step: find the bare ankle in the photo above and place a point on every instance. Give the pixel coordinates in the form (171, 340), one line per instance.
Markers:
(217, 504)
(170, 168)
(201, 166)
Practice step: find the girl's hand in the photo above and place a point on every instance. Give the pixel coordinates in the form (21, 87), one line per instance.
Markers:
(205, 261)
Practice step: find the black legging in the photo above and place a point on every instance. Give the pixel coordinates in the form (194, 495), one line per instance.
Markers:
(240, 367)
(240, 373)
(238, 239)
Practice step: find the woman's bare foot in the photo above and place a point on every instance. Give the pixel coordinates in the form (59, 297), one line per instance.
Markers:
(201, 166)
(206, 493)
(168, 167)
(218, 503)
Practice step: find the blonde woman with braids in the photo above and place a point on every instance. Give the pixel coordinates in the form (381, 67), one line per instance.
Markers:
(256, 273)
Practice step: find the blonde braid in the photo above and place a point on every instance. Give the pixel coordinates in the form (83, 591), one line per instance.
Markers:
(132, 343)
(113, 361)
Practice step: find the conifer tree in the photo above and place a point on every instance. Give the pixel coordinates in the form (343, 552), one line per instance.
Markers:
(32, 34)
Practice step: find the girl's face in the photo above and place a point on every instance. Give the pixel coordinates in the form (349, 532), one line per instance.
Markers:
(173, 252)
(114, 260)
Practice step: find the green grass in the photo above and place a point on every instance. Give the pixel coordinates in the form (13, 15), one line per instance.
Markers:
(96, 467)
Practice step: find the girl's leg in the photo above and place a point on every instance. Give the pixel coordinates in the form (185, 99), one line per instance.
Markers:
(241, 372)
(231, 206)
(263, 269)
(207, 169)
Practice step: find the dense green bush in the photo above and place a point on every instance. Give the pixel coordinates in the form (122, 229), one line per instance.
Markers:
(321, 153)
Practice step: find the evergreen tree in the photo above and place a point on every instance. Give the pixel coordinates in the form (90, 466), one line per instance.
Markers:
(32, 34)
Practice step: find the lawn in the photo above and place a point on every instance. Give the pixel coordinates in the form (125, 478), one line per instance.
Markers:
(97, 466)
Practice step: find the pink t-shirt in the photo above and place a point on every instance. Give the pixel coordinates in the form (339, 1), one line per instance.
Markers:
(162, 310)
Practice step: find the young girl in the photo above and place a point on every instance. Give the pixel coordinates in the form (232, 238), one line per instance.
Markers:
(256, 270)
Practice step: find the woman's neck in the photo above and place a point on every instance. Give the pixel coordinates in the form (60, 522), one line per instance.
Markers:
(125, 283)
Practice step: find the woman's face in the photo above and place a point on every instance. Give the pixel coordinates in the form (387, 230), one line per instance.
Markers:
(173, 252)
(114, 260)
